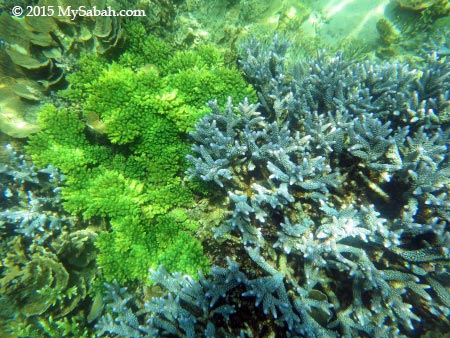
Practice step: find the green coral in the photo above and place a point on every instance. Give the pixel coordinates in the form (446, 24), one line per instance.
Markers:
(200, 77)
(110, 194)
(127, 252)
(119, 137)
(183, 255)
(204, 56)
(65, 146)
(143, 48)
(138, 243)
(86, 70)
(179, 249)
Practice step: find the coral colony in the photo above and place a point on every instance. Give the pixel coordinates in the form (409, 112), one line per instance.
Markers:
(31, 198)
(337, 190)
(330, 176)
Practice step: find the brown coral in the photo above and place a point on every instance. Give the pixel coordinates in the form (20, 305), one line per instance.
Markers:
(417, 5)
(38, 280)
(37, 52)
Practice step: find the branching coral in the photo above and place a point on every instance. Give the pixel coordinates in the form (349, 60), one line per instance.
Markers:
(190, 308)
(32, 198)
(335, 187)
(118, 136)
(43, 250)
(342, 172)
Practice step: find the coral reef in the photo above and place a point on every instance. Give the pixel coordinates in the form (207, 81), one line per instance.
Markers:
(208, 307)
(125, 322)
(342, 174)
(439, 42)
(39, 49)
(37, 281)
(31, 198)
(305, 199)
(41, 42)
(118, 136)
(47, 261)
(159, 14)
(428, 10)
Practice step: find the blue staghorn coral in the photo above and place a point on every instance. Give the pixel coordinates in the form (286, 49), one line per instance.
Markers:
(205, 307)
(342, 172)
(32, 198)
(336, 188)
(190, 308)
